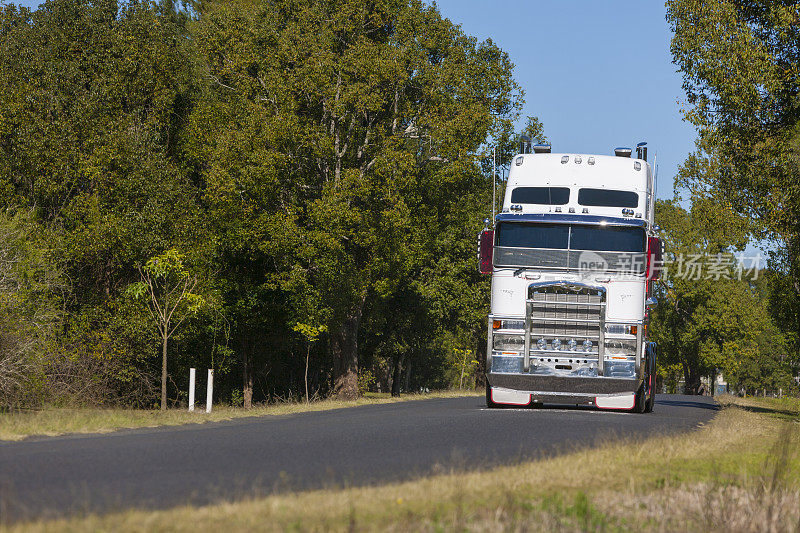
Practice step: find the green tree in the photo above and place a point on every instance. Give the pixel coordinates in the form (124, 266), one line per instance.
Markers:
(167, 287)
(311, 335)
(352, 120)
(29, 314)
(740, 66)
(93, 96)
(709, 319)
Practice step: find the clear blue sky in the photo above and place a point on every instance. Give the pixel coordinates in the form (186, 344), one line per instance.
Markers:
(597, 73)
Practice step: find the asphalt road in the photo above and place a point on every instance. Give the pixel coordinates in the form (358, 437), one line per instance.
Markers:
(163, 467)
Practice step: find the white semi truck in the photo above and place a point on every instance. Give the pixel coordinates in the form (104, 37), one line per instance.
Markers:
(573, 256)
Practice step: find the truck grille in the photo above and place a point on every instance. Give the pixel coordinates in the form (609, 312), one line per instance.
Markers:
(566, 312)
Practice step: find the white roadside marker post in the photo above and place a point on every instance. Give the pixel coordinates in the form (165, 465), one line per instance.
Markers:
(191, 389)
(210, 390)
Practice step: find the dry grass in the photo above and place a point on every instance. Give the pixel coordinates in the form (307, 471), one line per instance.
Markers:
(53, 421)
(738, 473)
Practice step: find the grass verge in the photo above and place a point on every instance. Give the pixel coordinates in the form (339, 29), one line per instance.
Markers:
(741, 472)
(18, 425)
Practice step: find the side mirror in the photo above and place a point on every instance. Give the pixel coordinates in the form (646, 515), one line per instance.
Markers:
(651, 302)
(485, 250)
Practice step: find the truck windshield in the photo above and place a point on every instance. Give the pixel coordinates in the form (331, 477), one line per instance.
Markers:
(609, 238)
(570, 236)
(517, 235)
(565, 246)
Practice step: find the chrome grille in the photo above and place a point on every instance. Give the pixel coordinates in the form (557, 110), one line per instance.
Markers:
(559, 310)
(565, 311)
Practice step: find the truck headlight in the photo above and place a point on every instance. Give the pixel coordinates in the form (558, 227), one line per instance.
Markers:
(621, 329)
(572, 345)
(508, 324)
(508, 343)
(620, 347)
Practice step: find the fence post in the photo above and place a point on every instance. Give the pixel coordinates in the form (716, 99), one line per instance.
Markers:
(210, 390)
(191, 389)
(780, 392)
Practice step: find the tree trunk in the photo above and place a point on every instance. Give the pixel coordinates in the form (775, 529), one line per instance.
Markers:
(396, 375)
(461, 380)
(713, 382)
(344, 345)
(407, 387)
(308, 352)
(164, 369)
(692, 381)
(480, 371)
(247, 374)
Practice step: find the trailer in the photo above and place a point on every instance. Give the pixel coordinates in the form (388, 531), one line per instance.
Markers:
(573, 256)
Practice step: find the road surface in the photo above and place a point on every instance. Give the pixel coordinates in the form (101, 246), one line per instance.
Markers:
(198, 464)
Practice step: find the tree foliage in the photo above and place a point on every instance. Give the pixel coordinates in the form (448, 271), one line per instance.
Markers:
(740, 60)
(717, 318)
(319, 163)
(167, 288)
(357, 127)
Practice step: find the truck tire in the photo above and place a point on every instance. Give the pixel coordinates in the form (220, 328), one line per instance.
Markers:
(639, 403)
(651, 378)
(648, 406)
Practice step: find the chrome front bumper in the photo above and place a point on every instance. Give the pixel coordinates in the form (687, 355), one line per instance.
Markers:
(562, 385)
(567, 310)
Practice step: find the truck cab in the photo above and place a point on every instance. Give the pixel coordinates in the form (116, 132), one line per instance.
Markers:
(572, 256)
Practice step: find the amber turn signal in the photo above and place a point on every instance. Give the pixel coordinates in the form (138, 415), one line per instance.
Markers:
(497, 324)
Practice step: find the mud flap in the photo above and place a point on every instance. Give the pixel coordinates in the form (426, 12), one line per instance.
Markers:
(616, 401)
(510, 397)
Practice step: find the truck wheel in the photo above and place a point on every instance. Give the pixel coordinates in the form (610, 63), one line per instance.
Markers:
(651, 378)
(489, 403)
(648, 406)
(639, 404)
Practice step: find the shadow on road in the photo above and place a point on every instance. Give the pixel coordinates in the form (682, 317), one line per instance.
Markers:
(713, 406)
(781, 413)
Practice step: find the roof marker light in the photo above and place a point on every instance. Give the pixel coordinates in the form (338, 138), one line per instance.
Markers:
(571, 209)
(585, 210)
(637, 165)
(564, 159)
(578, 160)
(518, 161)
(558, 209)
(590, 161)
